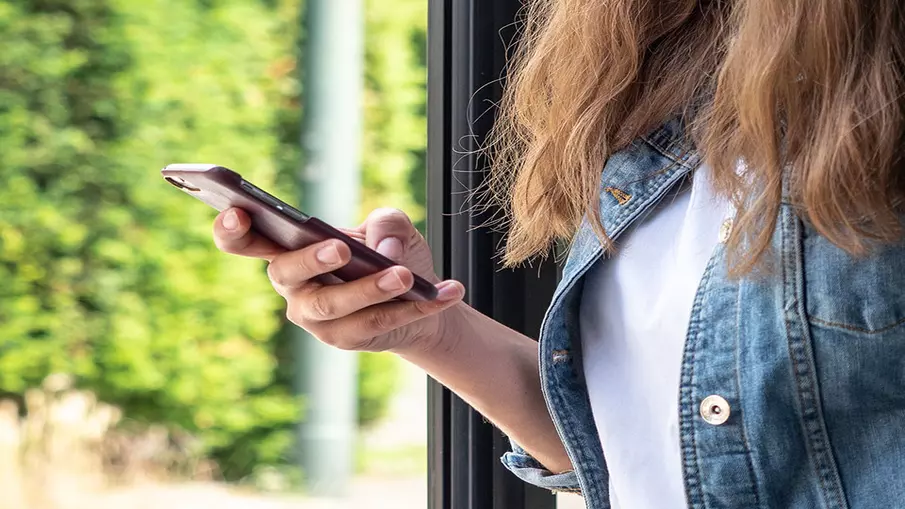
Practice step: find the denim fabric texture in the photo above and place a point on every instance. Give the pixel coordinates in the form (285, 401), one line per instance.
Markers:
(809, 355)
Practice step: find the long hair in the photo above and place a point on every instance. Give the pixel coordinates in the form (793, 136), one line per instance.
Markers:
(806, 94)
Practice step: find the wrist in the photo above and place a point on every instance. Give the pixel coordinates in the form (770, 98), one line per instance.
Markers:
(439, 339)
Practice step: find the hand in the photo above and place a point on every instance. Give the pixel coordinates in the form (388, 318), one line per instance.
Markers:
(358, 315)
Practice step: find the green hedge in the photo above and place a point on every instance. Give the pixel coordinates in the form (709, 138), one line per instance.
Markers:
(106, 272)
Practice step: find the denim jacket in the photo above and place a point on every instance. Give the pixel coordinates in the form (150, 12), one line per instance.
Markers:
(807, 360)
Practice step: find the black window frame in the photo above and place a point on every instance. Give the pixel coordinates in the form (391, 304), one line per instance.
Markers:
(467, 45)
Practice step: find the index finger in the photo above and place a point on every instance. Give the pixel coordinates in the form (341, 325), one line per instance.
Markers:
(233, 234)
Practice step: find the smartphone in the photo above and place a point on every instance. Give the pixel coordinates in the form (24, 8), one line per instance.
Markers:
(223, 188)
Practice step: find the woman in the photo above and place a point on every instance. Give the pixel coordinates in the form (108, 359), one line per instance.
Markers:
(730, 327)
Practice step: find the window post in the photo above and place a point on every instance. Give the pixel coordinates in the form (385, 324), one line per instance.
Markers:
(467, 42)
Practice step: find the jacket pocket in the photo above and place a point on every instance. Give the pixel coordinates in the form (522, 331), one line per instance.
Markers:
(860, 295)
(856, 310)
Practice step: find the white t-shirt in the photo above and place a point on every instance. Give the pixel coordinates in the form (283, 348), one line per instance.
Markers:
(635, 310)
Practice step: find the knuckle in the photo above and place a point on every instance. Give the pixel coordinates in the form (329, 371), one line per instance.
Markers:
(290, 270)
(422, 309)
(379, 321)
(321, 307)
(335, 340)
(369, 344)
(390, 216)
(329, 338)
(397, 215)
(306, 262)
(294, 316)
(276, 274)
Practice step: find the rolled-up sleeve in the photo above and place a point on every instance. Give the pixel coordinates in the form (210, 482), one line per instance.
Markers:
(528, 469)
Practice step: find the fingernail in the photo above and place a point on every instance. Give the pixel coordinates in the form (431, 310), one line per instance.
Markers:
(328, 255)
(230, 220)
(391, 247)
(448, 291)
(390, 282)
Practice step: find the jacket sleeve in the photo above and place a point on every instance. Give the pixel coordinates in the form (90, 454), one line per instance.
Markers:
(528, 469)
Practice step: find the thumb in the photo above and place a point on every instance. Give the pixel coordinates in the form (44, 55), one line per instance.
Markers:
(389, 232)
(392, 248)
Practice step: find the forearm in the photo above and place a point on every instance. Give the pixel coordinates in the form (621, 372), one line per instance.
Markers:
(495, 370)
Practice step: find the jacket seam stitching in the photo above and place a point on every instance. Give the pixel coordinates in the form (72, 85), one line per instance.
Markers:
(690, 458)
(659, 178)
(853, 328)
(576, 457)
(738, 379)
(798, 365)
(666, 151)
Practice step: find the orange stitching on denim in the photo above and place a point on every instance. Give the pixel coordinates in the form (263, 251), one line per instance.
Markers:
(621, 196)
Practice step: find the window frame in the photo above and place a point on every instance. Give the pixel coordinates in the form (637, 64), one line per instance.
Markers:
(467, 45)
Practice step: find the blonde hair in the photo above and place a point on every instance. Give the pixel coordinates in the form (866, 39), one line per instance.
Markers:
(813, 88)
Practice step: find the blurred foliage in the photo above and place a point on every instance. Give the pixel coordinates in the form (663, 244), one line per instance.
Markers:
(378, 379)
(109, 274)
(395, 134)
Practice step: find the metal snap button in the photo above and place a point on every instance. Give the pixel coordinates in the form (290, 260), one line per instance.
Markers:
(725, 230)
(715, 410)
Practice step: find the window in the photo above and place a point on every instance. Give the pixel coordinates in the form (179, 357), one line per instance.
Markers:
(466, 55)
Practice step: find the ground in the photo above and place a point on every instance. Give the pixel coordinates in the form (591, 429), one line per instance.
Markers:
(392, 476)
